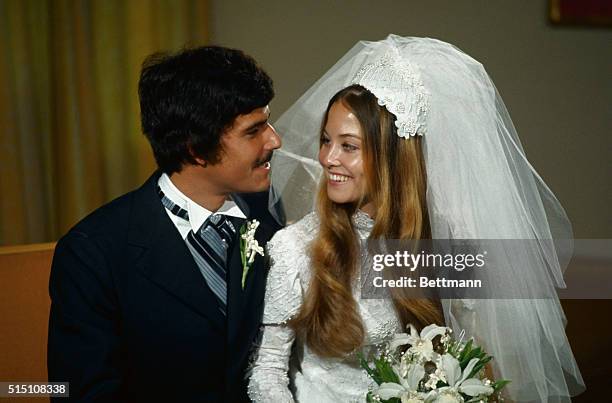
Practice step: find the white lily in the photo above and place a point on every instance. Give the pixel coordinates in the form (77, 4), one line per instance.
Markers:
(421, 344)
(249, 248)
(406, 390)
(458, 380)
(252, 247)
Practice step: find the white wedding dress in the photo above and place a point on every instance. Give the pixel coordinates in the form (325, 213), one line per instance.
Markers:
(279, 377)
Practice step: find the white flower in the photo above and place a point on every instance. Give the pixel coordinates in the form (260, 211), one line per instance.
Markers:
(252, 247)
(435, 377)
(458, 381)
(406, 389)
(445, 339)
(249, 248)
(431, 383)
(421, 345)
(405, 363)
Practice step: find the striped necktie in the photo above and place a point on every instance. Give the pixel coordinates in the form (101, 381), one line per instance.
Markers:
(209, 247)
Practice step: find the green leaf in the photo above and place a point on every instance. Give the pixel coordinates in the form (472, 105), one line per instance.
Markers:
(386, 372)
(466, 350)
(486, 359)
(476, 369)
(371, 372)
(497, 386)
(474, 353)
(243, 257)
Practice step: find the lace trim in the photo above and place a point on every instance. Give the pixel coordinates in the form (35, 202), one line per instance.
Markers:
(363, 223)
(397, 85)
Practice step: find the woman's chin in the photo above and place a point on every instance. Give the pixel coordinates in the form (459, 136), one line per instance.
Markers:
(338, 198)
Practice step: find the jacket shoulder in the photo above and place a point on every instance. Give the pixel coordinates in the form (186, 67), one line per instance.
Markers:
(109, 218)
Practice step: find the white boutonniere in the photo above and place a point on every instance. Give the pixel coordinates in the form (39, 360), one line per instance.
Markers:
(249, 247)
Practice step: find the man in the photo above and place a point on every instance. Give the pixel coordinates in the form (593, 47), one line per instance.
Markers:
(152, 298)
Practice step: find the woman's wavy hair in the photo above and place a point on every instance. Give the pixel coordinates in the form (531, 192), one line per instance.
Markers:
(329, 321)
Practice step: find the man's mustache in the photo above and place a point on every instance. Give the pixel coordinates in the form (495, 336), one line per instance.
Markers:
(267, 158)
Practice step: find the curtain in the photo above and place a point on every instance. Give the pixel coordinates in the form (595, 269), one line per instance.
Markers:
(70, 136)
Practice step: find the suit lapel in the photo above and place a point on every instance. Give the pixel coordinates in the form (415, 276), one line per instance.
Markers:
(165, 259)
(243, 301)
(235, 293)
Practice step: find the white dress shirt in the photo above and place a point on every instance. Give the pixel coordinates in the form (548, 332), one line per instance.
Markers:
(197, 214)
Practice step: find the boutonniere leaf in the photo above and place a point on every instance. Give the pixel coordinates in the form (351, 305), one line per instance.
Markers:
(249, 247)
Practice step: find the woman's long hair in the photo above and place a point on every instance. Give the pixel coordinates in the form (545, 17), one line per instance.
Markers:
(329, 321)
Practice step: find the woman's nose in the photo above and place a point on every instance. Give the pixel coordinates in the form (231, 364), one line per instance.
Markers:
(332, 158)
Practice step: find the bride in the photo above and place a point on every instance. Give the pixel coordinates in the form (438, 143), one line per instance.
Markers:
(413, 143)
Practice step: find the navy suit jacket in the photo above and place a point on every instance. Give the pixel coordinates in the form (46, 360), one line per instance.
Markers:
(132, 318)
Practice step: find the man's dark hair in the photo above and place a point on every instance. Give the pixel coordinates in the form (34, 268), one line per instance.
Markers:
(188, 99)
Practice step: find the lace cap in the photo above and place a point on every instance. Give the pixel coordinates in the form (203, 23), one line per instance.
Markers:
(397, 85)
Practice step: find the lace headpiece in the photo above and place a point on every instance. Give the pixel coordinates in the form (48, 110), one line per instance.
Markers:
(398, 87)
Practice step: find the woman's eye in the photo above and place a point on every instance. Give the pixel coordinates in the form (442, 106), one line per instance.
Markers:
(324, 140)
(349, 147)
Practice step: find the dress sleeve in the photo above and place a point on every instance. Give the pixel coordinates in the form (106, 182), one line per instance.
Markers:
(269, 380)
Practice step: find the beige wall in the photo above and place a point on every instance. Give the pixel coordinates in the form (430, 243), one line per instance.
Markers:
(556, 82)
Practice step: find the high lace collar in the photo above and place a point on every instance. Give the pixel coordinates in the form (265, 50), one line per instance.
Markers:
(363, 222)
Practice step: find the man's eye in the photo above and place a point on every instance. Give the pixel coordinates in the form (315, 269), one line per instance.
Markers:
(253, 130)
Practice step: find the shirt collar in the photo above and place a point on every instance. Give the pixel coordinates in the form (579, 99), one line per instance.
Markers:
(197, 214)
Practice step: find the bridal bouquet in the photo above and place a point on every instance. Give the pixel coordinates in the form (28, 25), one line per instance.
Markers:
(431, 367)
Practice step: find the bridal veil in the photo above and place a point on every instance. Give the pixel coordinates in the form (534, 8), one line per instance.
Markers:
(480, 185)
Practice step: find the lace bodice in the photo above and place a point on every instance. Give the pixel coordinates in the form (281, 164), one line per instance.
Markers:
(312, 377)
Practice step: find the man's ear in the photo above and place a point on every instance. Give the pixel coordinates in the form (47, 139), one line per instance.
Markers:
(201, 162)
(212, 161)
